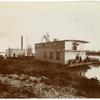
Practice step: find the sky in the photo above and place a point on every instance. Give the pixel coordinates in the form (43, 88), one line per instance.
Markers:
(62, 20)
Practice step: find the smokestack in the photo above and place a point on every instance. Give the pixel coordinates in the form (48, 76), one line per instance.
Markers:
(21, 43)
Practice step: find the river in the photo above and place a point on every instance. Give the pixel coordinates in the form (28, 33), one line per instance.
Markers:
(94, 71)
(91, 71)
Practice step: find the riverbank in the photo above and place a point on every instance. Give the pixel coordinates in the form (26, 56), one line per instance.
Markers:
(35, 79)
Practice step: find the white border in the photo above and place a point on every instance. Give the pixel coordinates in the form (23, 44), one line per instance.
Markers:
(52, 0)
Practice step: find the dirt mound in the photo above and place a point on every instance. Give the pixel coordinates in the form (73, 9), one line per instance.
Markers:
(24, 86)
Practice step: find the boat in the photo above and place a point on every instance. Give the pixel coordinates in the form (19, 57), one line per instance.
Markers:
(80, 64)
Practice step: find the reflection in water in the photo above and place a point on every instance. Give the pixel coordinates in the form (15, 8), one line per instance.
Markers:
(93, 72)
(80, 70)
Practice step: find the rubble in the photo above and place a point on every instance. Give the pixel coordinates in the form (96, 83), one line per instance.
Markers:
(24, 86)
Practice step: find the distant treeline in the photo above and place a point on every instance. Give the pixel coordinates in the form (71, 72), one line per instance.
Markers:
(97, 53)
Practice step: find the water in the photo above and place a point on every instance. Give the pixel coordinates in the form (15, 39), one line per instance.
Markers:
(93, 71)
(98, 57)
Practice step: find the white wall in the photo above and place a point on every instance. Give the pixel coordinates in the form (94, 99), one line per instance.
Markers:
(72, 55)
(68, 46)
(81, 46)
(17, 52)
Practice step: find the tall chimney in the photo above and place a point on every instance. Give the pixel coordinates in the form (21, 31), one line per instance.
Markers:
(21, 43)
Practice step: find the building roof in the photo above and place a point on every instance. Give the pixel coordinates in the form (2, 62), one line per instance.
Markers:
(68, 40)
(82, 41)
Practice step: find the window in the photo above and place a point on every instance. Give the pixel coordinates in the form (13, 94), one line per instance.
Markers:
(45, 54)
(51, 55)
(75, 44)
(55, 44)
(43, 45)
(57, 55)
(36, 46)
(46, 45)
(49, 44)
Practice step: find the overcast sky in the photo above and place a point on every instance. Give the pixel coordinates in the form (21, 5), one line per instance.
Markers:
(63, 20)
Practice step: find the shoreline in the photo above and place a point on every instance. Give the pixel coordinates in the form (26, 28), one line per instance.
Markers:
(58, 80)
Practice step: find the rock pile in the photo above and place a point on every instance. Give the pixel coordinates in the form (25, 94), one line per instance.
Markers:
(24, 86)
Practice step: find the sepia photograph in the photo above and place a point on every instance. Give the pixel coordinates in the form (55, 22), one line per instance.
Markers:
(49, 49)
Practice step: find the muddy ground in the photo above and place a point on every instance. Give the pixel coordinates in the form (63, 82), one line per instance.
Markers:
(28, 78)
